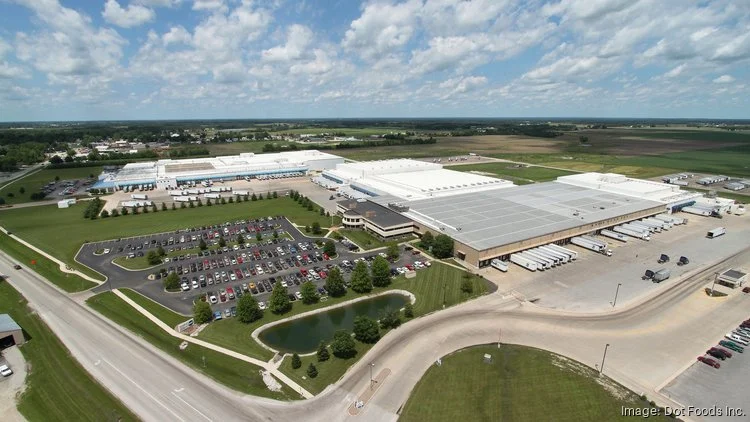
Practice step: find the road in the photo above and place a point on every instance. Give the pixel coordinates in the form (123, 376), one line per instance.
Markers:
(650, 341)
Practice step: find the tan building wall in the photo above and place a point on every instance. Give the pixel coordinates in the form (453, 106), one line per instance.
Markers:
(17, 336)
(473, 256)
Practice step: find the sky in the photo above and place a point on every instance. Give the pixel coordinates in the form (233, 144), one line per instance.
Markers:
(205, 59)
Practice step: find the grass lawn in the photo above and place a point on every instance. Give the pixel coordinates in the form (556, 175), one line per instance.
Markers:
(166, 315)
(328, 372)
(232, 372)
(45, 267)
(507, 170)
(35, 181)
(430, 286)
(520, 384)
(61, 232)
(367, 241)
(57, 387)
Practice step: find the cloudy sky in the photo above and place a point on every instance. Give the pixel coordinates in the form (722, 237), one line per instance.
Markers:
(180, 59)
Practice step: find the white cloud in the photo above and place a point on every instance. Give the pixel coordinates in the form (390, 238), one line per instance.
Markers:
(299, 38)
(159, 3)
(177, 35)
(463, 85)
(677, 71)
(724, 79)
(208, 5)
(133, 15)
(382, 28)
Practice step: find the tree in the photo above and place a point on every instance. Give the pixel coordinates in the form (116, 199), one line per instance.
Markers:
(260, 196)
(342, 345)
(296, 361)
(160, 251)
(57, 178)
(361, 282)
(583, 139)
(247, 197)
(258, 236)
(443, 246)
(253, 198)
(248, 309)
(191, 204)
(366, 329)
(202, 312)
(11, 194)
(22, 190)
(240, 238)
(335, 283)
(145, 209)
(312, 371)
(309, 293)
(409, 310)
(316, 227)
(275, 195)
(208, 202)
(307, 228)
(329, 248)
(202, 245)
(163, 206)
(427, 240)
(310, 206)
(124, 211)
(381, 272)
(279, 302)
(466, 285)
(323, 354)
(105, 214)
(56, 160)
(222, 242)
(390, 319)
(183, 206)
(275, 234)
(223, 201)
(174, 206)
(115, 213)
(172, 282)
(231, 200)
(153, 258)
(392, 251)
(322, 211)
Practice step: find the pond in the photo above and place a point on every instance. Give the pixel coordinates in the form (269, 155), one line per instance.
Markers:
(303, 335)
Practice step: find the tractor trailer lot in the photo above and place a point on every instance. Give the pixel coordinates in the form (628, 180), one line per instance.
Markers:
(590, 282)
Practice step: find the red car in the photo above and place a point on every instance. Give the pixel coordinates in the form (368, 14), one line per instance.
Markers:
(726, 353)
(746, 290)
(238, 273)
(709, 361)
(239, 260)
(410, 267)
(230, 293)
(325, 256)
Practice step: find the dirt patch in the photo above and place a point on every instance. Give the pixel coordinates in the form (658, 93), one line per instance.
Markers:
(610, 386)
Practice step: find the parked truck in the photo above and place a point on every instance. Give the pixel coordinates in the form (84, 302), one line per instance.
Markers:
(697, 211)
(177, 193)
(716, 232)
(185, 198)
(633, 231)
(614, 235)
(596, 247)
(500, 265)
(658, 227)
(653, 228)
(541, 264)
(661, 275)
(565, 257)
(212, 195)
(140, 196)
(521, 261)
(554, 257)
(549, 262)
(572, 254)
(665, 225)
(663, 258)
(683, 261)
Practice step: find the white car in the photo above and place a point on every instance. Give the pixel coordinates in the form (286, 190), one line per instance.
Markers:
(213, 299)
(283, 283)
(262, 305)
(401, 270)
(427, 263)
(106, 251)
(185, 287)
(195, 284)
(5, 371)
(299, 295)
(383, 255)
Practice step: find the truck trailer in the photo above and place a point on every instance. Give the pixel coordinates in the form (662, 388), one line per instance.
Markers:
(212, 195)
(638, 234)
(572, 254)
(716, 232)
(548, 262)
(564, 257)
(500, 265)
(141, 196)
(185, 198)
(177, 193)
(657, 227)
(697, 211)
(665, 225)
(595, 241)
(614, 235)
(522, 261)
(555, 259)
(541, 264)
(661, 275)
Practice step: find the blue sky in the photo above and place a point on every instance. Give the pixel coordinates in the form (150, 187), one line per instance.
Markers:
(188, 59)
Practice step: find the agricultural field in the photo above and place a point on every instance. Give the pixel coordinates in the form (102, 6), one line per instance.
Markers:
(234, 148)
(61, 232)
(518, 384)
(35, 181)
(347, 131)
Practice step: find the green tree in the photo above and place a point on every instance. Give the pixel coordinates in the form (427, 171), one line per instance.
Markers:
(160, 251)
(22, 190)
(115, 213)
(223, 201)
(307, 229)
(366, 329)
(248, 309)
(208, 202)
(202, 245)
(392, 251)
(163, 206)
(323, 354)
(240, 238)
(322, 211)
(310, 206)
(191, 204)
(258, 236)
(296, 361)
(57, 178)
(231, 200)
(153, 258)
(443, 246)
(381, 272)
(145, 209)
(172, 282)
(183, 206)
(343, 345)
(279, 302)
(309, 293)
(312, 371)
(275, 195)
(253, 198)
(260, 196)
(105, 214)
(222, 242)
(316, 227)
(153, 207)
(390, 319)
(427, 241)
(202, 312)
(329, 248)
(124, 211)
(174, 206)
(361, 282)
(275, 234)
(466, 285)
(247, 197)
(409, 310)
(335, 283)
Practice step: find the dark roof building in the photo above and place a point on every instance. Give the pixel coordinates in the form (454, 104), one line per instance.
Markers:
(367, 215)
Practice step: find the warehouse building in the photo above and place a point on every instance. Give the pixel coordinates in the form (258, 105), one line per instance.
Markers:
(10, 332)
(170, 173)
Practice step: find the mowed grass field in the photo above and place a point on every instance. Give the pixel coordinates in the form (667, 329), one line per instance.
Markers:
(520, 384)
(431, 286)
(57, 387)
(511, 171)
(45, 267)
(367, 241)
(232, 372)
(61, 232)
(35, 181)
(166, 315)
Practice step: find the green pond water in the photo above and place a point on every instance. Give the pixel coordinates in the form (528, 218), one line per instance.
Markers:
(303, 335)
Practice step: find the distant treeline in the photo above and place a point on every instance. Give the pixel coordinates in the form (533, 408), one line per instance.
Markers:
(12, 156)
(538, 131)
(349, 145)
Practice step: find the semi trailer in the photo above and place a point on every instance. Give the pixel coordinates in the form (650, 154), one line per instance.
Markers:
(719, 231)
(565, 257)
(548, 262)
(524, 262)
(614, 235)
(572, 254)
(638, 234)
(596, 247)
(500, 265)
(141, 196)
(212, 195)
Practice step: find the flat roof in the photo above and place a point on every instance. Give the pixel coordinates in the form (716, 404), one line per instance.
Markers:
(492, 218)
(7, 323)
(378, 214)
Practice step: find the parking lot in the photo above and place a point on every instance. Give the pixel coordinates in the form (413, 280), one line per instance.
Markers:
(222, 275)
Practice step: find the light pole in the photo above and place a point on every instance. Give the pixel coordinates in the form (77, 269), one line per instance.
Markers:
(614, 302)
(371, 379)
(601, 368)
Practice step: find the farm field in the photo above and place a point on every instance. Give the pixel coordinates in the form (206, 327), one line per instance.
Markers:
(57, 387)
(519, 384)
(35, 181)
(61, 232)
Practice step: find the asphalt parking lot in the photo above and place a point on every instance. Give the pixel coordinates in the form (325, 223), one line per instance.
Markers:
(705, 387)
(263, 263)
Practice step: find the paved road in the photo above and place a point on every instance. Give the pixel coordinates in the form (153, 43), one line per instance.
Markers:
(650, 342)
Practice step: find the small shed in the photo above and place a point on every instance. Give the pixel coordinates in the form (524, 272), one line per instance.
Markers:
(733, 278)
(10, 332)
(65, 203)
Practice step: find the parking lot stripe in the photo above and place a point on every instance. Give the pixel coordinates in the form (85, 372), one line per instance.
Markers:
(191, 406)
(143, 389)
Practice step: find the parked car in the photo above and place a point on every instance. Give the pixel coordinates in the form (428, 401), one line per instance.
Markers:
(5, 371)
(217, 315)
(709, 361)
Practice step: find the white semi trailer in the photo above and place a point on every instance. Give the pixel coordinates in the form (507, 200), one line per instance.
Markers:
(541, 264)
(564, 257)
(548, 262)
(556, 259)
(573, 254)
(637, 233)
(500, 265)
(614, 235)
(665, 225)
(522, 261)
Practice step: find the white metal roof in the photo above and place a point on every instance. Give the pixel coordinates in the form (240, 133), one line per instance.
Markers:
(623, 185)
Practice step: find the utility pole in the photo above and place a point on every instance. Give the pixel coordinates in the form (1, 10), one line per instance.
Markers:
(614, 302)
(601, 368)
(371, 379)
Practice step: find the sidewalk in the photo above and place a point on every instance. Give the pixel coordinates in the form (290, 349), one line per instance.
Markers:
(268, 366)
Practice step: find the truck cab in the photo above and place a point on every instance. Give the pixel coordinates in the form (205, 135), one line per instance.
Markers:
(663, 258)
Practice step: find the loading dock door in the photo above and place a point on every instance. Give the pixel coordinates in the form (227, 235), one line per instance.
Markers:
(461, 255)
(7, 341)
